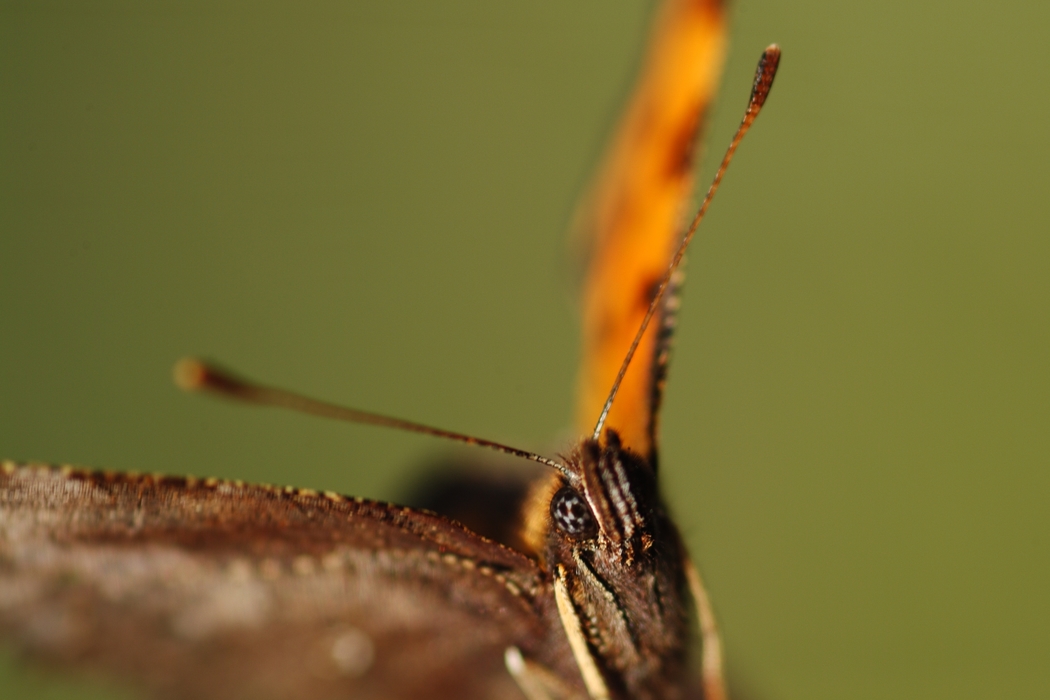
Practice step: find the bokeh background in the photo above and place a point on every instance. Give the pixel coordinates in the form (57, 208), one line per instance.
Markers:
(368, 201)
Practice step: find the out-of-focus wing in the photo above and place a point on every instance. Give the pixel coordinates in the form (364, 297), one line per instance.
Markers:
(633, 218)
(215, 589)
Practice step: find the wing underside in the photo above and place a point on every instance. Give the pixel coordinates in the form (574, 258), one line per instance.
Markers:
(214, 589)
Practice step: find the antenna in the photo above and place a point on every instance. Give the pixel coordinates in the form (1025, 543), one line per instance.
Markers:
(764, 74)
(192, 374)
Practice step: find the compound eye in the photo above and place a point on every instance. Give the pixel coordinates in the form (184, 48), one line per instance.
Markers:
(571, 514)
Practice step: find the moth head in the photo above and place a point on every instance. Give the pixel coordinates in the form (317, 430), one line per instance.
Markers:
(615, 559)
(606, 504)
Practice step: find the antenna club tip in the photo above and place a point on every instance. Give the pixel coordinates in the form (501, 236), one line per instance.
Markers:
(764, 74)
(190, 374)
(770, 60)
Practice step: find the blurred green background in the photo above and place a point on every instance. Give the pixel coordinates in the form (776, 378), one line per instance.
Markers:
(367, 202)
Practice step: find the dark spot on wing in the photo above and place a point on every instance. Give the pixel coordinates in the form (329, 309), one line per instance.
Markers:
(683, 145)
(647, 292)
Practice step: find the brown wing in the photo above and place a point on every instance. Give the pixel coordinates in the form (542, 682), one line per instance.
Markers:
(216, 589)
(633, 217)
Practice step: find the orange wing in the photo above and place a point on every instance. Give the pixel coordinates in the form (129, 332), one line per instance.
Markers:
(633, 218)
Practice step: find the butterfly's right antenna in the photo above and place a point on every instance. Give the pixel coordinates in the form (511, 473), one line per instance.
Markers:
(192, 374)
(764, 74)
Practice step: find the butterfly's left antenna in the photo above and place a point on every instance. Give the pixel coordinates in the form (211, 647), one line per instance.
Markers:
(192, 374)
(764, 74)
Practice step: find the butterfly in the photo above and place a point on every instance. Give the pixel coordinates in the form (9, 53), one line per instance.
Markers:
(209, 588)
